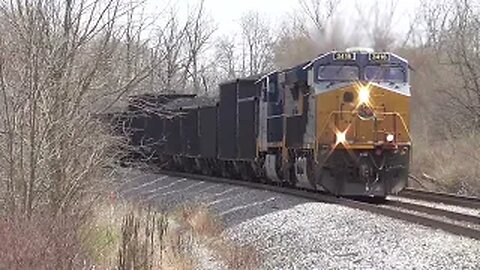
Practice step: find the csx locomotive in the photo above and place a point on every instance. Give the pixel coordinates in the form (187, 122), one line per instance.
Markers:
(339, 123)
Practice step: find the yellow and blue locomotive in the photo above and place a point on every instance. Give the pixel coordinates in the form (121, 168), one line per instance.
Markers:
(339, 122)
(345, 123)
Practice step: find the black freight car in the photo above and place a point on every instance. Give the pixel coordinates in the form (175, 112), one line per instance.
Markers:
(151, 132)
(190, 129)
(227, 121)
(237, 127)
(201, 135)
(207, 135)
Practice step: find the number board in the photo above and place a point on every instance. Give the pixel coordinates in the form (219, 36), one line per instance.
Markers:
(343, 56)
(380, 57)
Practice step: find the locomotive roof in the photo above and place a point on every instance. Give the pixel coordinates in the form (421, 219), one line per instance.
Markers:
(295, 71)
(394, 58)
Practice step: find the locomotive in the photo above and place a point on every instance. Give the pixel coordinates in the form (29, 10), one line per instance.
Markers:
(338, 123)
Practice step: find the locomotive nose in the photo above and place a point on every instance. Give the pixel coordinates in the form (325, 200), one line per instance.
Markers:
(363, 125)
(365, 113)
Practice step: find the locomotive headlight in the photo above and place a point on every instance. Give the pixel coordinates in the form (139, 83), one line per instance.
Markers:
(364, 95)
(390, 138)
(341, 137)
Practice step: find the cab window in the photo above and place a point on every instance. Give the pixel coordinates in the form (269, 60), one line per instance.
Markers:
(338, 73)
(385, 74)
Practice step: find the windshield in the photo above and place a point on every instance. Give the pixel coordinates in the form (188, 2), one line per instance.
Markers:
(385, 74)
(338, 73)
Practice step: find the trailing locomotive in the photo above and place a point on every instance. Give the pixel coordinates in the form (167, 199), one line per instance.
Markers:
(339, 122)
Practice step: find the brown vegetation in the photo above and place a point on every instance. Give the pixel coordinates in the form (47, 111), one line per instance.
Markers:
(40, 243)
(446, 96)
(188, 238)
(62, 65)
(123, 236)
(449, 166)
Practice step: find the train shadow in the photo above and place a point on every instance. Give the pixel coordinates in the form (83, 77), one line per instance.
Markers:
(231, 204)
(371, 200)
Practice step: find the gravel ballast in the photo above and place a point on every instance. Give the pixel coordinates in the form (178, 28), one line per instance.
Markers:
(320, 236)
(294, 233)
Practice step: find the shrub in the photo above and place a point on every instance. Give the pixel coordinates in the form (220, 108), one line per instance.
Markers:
(449, 165)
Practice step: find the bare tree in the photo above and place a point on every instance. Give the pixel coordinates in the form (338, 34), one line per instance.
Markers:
(294, 44)
(198, 33)
(183, 43)
(452, 30)
(378, 22)
(62, 63)
(257, 44)
(319, 12)
(226, 56)
(171, 38)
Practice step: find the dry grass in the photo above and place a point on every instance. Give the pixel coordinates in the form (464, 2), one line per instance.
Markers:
(122, 236)
(234, 256)
(208, 229)
(199, 220)
(131, 237)
(450, 165)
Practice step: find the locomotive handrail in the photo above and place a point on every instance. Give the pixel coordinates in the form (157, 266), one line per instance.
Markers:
(396, 114)
(403, 122)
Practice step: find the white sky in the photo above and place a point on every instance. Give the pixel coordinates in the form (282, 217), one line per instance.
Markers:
(226, 13)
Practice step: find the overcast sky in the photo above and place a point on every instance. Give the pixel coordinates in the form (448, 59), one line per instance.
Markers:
(226, 13)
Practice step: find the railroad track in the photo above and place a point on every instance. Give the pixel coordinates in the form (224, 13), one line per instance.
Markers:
(464, 225)
(463, 201)
(455, 216)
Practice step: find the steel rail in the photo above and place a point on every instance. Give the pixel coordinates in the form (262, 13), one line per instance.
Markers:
(419, 219)
(435, 211)
(451, 199)
(324, 197)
